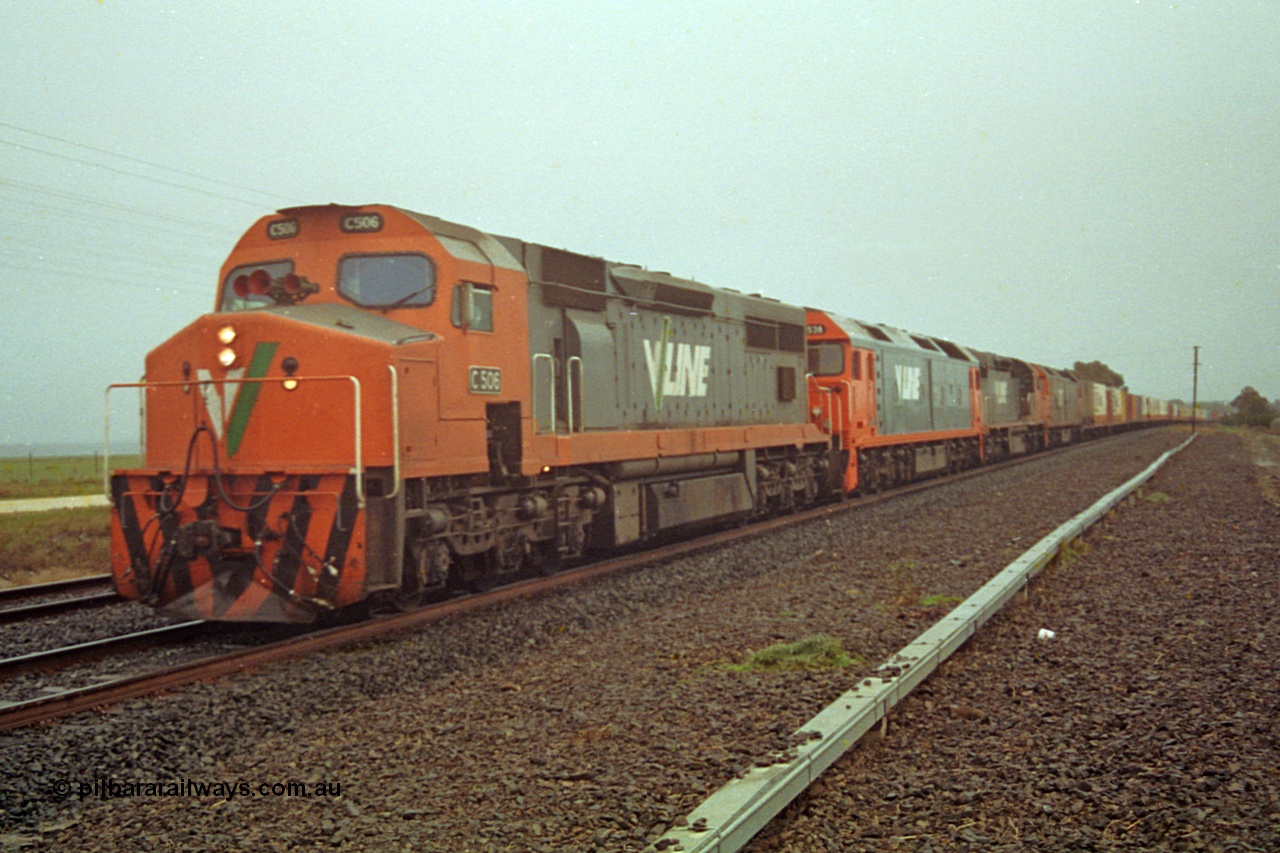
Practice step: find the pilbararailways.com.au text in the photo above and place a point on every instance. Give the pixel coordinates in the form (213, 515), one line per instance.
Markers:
(103, 788)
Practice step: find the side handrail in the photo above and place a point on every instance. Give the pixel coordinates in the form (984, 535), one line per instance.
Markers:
(395, 431)
(835, 407)
(841, 417)
(534, 380)
(358, 470)
(570, 384)
(853, 412)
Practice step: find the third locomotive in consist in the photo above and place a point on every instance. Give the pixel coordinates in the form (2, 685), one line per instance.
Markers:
(385, 404)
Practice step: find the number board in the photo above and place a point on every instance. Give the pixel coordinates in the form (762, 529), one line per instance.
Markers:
(484, 380)
(282, 229)
(360, 223)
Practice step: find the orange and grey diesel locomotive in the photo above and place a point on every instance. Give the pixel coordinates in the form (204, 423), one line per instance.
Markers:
(385, 404)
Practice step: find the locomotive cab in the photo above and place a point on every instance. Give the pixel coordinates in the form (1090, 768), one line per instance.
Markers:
(279, 428)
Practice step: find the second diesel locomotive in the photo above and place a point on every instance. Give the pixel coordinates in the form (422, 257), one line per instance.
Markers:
(384, 404)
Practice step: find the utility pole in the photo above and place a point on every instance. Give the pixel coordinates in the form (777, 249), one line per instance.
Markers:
(1195, 383)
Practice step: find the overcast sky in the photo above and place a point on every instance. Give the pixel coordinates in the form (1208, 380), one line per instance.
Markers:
(1055, 181)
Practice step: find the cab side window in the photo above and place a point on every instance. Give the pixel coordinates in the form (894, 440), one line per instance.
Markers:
(472, 307)
(826, 359)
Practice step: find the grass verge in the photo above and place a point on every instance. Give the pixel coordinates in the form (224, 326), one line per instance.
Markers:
(56, 476)
(38, 547)
(811, 653)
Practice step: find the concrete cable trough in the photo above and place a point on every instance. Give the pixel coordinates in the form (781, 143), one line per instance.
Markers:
(731, 816)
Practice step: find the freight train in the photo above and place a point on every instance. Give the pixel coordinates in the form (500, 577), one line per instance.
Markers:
(386, 406)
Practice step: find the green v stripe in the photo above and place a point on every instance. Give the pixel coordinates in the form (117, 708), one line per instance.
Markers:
(661, 390)
(248, 396)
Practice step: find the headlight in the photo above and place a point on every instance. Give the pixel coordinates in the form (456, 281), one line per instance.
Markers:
(227, 335)
(226, 356)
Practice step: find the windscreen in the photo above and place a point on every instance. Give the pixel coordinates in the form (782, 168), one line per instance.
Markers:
(387, 281)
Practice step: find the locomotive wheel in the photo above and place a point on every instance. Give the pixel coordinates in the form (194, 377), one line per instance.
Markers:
(478, 572)
(810, 490)
(409, 595)
(426, 566)
(868, 476)
(412, 577)
(547, 559)
(511, 551)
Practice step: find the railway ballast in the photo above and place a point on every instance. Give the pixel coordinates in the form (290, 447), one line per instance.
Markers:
(590, 720)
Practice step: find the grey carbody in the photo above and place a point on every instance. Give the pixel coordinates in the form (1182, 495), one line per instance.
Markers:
(1008, 389)
(922, 383)
(1064, 397)
(616, 347)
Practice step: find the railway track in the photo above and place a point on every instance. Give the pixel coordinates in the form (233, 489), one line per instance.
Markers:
(74, 700)
(21, 603)
(53, 660)
(608, 695)
(79, 699)
(21, 593)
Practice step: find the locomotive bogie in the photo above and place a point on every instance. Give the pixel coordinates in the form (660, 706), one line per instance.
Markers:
(884, 465)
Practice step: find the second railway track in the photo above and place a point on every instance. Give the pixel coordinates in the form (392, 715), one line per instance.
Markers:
(17, 594)
(23, 612)
(35, 600)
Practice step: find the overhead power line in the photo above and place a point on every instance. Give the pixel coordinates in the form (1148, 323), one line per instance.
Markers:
(141, 162)
(100, 277)
(89, 201)
(127, 173)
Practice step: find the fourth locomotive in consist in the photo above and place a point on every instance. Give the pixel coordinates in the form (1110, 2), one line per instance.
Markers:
(385, 405)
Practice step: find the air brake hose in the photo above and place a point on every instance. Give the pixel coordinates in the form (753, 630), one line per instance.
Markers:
(222, 492)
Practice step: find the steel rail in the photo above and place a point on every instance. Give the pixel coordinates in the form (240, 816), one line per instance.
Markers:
(18, 593)
(61, 605)
(732, 815)
(51, 660)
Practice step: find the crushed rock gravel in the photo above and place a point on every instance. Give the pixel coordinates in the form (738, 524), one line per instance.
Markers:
(1151, 721)
(594, 719)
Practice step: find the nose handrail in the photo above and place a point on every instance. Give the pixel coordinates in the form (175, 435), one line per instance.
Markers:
(358, 417)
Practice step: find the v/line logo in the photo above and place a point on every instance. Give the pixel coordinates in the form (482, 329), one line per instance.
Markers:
(219, 399)
(676, 370)
(230, 402)
(909, 380)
